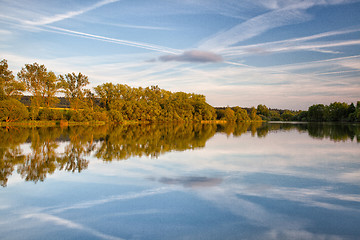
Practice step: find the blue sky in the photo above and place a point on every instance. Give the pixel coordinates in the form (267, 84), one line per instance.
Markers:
(281, 53)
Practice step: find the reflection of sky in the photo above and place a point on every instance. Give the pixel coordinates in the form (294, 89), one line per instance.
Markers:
(284, 186)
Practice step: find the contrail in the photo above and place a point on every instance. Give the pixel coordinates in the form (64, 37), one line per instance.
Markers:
(114, 40)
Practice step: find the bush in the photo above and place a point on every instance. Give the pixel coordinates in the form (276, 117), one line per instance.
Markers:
(45, 114)
(12, 110)
(78, 116)
(100, 116)
(115, 116)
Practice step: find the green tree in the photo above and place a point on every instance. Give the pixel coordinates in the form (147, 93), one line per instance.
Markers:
(287, 115)
(9, 87)
(263, 110)
(338, 111)
(41, 83)
(317, 113)
(73, 87)
(51, 87)
(107, 92)
(275, 115)
(12, 110)
(229, 115)
(241, 115)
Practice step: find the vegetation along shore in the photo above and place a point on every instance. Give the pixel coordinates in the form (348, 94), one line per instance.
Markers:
(120, 103)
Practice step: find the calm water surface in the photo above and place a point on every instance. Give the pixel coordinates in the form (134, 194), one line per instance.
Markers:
(270, 181)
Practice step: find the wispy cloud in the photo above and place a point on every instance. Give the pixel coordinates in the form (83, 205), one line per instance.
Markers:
(254, 27)
(293, 44)
(282, 13)
(144, 27)
(113, 40)
(71, 14)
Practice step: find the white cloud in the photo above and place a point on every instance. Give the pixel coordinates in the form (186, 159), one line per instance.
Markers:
(152, 47)
(282, 13)
(253, 27)
(62, 16)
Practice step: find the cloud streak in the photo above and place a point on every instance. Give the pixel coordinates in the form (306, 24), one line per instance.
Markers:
(71, 14)
(294, 44)
(113, 40)
(281, 14)
(253, 27)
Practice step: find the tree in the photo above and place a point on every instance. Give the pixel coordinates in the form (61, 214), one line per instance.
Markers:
(338, 111)
(263, 110)
(287, 115)
(51, 86)
(317, 113)
(107, 93)
(229, 115)
(9, 87)
(241, 115)
(38, 81)
(73, 87)
(41, 83)
(274, 115)
(12, 110)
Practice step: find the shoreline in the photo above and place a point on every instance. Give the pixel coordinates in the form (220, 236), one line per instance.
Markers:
(63, 123)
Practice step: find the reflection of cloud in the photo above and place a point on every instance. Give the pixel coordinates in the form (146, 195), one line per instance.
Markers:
(89, 204)
(298, 234)
(279, 226)
(192, 182)
(316, 197)
(192, 56)
(69, 224)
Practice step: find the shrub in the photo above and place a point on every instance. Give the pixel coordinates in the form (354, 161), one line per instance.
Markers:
(45, 114)
(78, 116)
(12, 110)
(115, 116)
(100, 116)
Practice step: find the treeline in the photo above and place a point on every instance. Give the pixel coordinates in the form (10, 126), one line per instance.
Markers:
(119, 102)
(335, 112)
(107, 102)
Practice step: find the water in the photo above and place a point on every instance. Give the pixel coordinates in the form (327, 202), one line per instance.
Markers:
(270, 181)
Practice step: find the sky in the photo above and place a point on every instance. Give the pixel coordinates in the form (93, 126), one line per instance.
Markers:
(287, 54)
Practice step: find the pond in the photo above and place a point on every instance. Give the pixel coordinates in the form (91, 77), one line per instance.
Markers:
(185, 181)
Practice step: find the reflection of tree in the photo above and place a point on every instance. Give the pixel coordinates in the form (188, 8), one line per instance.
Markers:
(81, 144)
(126, 141)
(10, 152)
(336, 132)
(237, 129)
(42, 159)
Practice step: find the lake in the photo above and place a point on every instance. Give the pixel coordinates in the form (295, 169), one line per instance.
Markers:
(185, 181)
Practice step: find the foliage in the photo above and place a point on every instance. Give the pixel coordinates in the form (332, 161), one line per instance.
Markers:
(229, 115)
(72, 86)
(9, 87)
(43, 84)
(12, 110)
(120, 102)
(241, 115)
(263, 111)
(152, 104)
